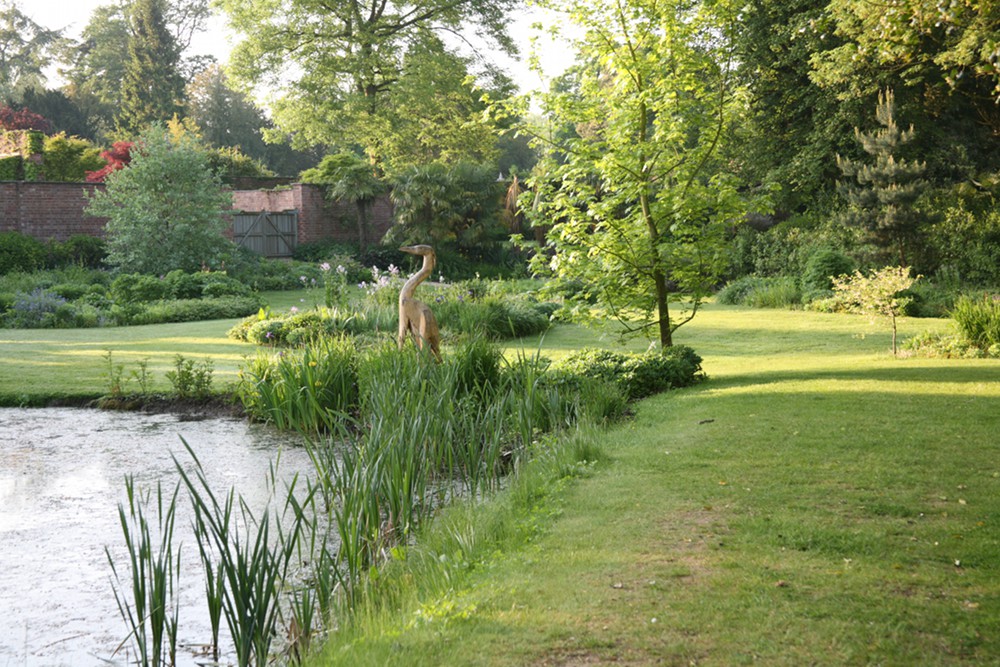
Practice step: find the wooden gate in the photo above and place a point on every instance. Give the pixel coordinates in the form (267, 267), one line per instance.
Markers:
(267, 233)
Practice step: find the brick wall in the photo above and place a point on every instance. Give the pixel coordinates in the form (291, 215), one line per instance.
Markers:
(319, 218)
(56, 210)
(47, 210)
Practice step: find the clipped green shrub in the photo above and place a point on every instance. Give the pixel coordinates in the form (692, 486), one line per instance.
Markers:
(978, 319)
(182, 285)
(11, 168)
(637, 375)
(19, 252)
(132, 288)
(821, 267)
(197, 310)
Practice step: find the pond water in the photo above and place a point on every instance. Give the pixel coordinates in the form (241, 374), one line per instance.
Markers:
(61, 478)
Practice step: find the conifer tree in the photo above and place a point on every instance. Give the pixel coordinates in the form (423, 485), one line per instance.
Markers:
(152, 89)
(881, 195)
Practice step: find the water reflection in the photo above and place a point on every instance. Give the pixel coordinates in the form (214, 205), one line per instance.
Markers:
(61, 479)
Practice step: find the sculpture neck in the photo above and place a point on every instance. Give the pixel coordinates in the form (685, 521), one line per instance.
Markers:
(417, 278)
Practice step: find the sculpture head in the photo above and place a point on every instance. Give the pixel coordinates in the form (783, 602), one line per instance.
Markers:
(422, 250)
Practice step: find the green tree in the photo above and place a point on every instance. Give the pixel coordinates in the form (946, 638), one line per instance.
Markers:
(435, 113)
(166, 209)
(335, 63)
(95, 66)
(639, 202)
(878, 294)
(152, 87)
(349, 178)
(438, 204)
(794, 126)
(96, 69)
(26, 49)
(881, 195)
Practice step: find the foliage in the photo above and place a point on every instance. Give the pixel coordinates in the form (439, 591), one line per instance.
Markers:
(881, 195)
(148, 601)
(78, 250)
(966, 239)
(22, 119)
(231, 162)
(190, 379)
(978, 319)
(336, 81)
(165, 210)
(19, 252)
(137, 288)
(762, 292)
(70, 159)
(877, 295)
(225, 116)
(302, 389)
(11, 168)
(40, 309)
(637, 375)
(821, 267)
(640, 207)
(192, 310)
(435, 110)
(947, 346)
(115, 158)
(437, 204)
(26, 50)
(350, 178)
(152, 88)
(794, 127)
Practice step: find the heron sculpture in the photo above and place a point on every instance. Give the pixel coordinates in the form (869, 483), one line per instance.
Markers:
(415, 317)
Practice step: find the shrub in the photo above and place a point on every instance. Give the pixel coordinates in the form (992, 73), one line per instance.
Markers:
(132, 288)
(638, 375)
(196, 310)
(821, 267)
(761, 292)
(41, 309)
(19, 252)
(948, 346)
(190, 379)
(978, 319)
(166, 210)
(78, 250)
(68, 159)
(181, 285)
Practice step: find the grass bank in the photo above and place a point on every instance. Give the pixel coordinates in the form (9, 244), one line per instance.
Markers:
(817, 502)
(42, 366)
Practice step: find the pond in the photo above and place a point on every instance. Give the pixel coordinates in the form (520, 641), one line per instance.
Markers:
(61, 478)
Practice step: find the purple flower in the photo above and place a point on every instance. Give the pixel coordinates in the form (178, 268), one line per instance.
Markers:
(325, 266)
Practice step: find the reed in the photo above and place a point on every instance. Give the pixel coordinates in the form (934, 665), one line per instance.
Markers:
(254, 562)
(147, 602)
(301, 389)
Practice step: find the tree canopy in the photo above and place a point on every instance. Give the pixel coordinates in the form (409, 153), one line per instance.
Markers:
(336, 64)
(639, 201)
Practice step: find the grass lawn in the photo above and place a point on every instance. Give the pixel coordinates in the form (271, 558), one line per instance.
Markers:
(40, 365)
(816, 502)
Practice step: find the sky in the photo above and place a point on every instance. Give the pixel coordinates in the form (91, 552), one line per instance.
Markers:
(73, 15)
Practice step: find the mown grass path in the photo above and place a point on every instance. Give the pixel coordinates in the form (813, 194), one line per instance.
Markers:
(817, 502)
